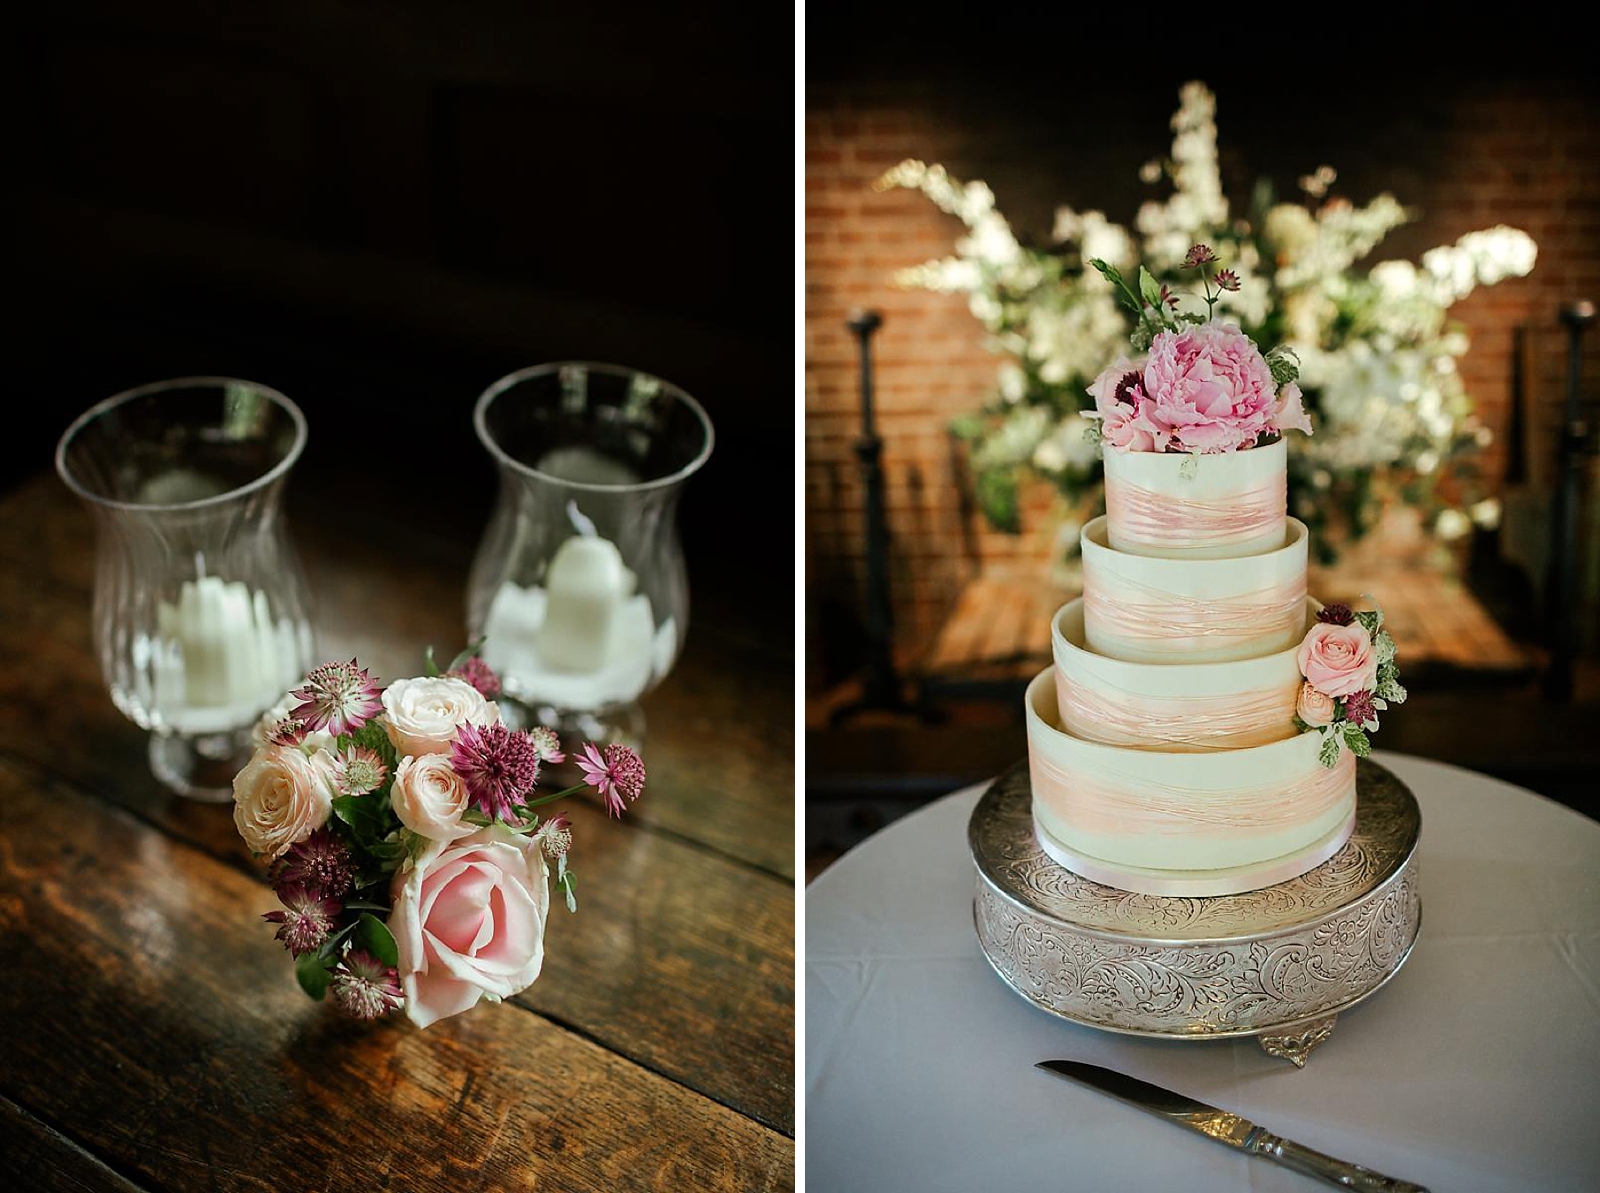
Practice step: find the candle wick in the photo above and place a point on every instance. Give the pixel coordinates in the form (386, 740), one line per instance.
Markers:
(581, 523)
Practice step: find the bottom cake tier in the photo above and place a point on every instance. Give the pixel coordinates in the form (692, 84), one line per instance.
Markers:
(1156, 823)
(1277, 963)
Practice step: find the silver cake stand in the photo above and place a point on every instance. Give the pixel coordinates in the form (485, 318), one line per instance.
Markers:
(1278, 964)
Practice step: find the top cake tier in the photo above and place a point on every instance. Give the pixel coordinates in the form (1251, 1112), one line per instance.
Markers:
(1177, 506)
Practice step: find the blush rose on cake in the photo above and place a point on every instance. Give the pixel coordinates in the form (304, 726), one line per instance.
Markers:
(400, 832)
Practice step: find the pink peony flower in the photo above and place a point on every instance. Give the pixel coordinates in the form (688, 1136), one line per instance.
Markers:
(469, 919)
(1209, 387)
(616, 773)
(338, 697)
(364, 987)
(1315, 708)
(1288, 412)
(1129, 429)
(1338, 660)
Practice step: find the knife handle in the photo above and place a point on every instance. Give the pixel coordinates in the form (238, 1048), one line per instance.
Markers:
(1336, 1172)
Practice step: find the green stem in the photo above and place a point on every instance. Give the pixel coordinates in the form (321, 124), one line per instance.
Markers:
(550, 799)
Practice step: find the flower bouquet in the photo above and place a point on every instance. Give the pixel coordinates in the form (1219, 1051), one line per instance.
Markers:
(1348, 663)
(400, 829)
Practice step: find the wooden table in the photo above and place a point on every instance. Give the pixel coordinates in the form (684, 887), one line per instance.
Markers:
(153, 1034)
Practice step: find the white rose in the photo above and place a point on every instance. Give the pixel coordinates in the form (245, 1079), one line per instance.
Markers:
(422, 715)
(261, 735)
(282, 796)
(429, 798)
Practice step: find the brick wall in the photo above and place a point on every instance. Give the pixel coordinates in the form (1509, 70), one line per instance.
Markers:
(1519, 153)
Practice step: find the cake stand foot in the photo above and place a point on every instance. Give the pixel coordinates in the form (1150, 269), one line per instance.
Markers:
(1294, 1047)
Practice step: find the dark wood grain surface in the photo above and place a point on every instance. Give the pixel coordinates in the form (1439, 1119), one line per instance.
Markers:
(154, 1037)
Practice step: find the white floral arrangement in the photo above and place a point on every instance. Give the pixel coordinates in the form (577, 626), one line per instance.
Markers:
(1377, 351)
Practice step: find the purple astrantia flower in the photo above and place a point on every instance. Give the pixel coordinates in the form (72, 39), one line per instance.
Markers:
(617, 773)
(1358, 708)
(1336, 614)
(548, 745)
(1168, 297)
(358, 770)
(365, 987)
(555, 836)
(480, 675)
(1199, 254)
(498, 766)
(338, 697)
(321, 864)
(307, 920)
(290, 731)
(1227, 279)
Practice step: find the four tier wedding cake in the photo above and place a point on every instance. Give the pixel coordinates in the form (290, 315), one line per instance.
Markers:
(1198, 732)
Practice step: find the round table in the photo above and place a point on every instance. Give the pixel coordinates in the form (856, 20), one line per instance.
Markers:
(1477, 1067)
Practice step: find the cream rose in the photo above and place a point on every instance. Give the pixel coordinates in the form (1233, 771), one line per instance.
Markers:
(469, 920)
(422, 715)
(1338, 660)
(1315, 708)
(282, 796)
(429, 797)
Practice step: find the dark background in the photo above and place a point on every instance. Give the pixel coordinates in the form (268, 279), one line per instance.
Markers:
(379, 209)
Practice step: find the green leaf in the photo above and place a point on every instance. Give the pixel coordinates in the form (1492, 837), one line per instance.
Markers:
(373, 935)
(1385, 646)
(1149, 288)
(1141, 336)
(1285, 365)
(312, 974)
(428, 663)
(348, 809)
(472, 650)
(1371, 619)
(1356, 738)
(1329, 754)
(1390, 690)
(374, 737)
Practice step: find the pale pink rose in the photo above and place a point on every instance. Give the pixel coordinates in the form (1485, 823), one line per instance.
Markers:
(429, 797)
(1338, 660)
(1289, 414)
(1128, 428)
(1209, 387)
(421, 716)
(282, 796)
(1315, 708)
(1112, 389)
(469, 920)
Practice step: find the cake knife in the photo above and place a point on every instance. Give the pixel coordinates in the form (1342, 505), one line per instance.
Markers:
(1227, 1128)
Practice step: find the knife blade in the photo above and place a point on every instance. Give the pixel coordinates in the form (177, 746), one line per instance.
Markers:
(1227, 1128)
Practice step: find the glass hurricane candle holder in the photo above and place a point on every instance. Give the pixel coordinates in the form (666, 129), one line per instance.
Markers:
(579, 585)
(200, 609)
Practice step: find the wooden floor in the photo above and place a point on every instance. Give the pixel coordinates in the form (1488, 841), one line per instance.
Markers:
(999, 630)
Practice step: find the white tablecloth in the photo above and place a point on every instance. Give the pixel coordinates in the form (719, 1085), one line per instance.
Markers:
(1477, 1067)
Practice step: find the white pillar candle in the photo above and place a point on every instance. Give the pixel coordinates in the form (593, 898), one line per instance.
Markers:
(585, 589)
(222, 659)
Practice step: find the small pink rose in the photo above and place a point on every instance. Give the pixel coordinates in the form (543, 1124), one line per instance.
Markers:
(280, 797)
(1315, 708)
(1289, 413)
(422, 715)
(429, 797)
(1338, 660)
(469, 921)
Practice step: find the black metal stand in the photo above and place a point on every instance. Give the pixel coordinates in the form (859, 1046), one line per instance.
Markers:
(882, 687)
(1574, 449)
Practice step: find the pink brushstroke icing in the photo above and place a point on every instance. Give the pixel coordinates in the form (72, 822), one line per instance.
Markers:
(1278, 608)
(1105, 803)
(1102, 712)
(1145, 516)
